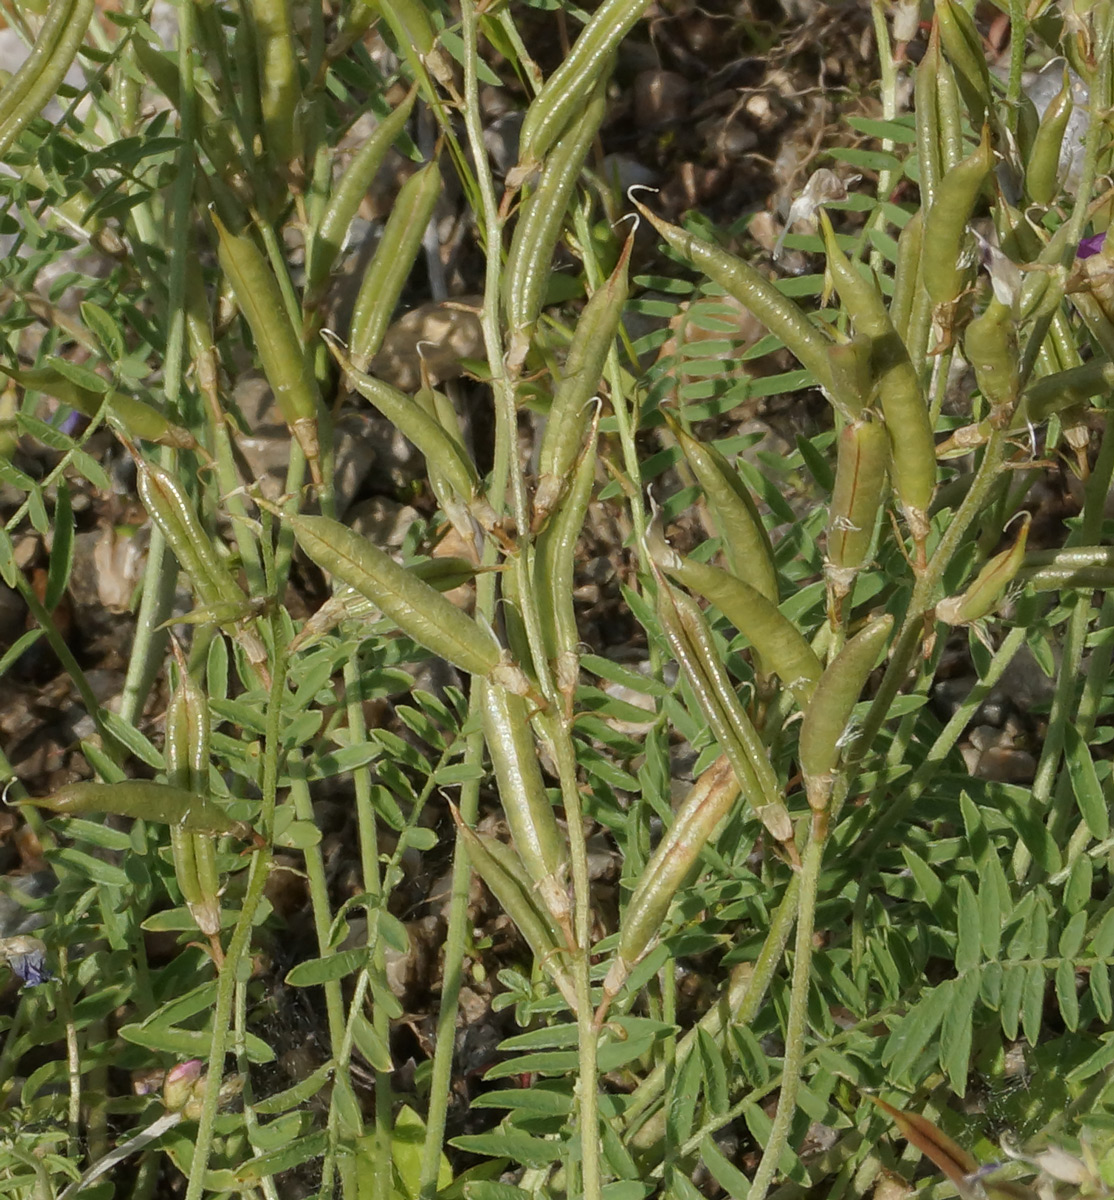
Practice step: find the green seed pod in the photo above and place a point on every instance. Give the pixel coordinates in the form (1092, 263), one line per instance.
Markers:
(745, 540)
(279, 87)
(710, 800)
(926, 108)
(540, 221)
(394, 258)
(571, 87)
(852, 375)
(989, 587)
(824, 729)
(776, 640)
(964, 49)
(907, 274)
(141, 798)
(946, 223)
(517, 901)
(134, 418)
(443, 452)
(990, 346)
(280, 351)
(691, 642)
(570, 413)
(350, 190)
(912, 445)
(784, 318)
(526, 805)
(1065, 389)
(1042, 166)
(862, 462)
(420, 611)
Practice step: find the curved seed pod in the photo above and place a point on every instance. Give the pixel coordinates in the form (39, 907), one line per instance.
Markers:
(1065, 389)
(1042, 167)
(946, 223)
(774, 637)
(133, 417)
(964, 49)
(145, 799)
(350, 190)
(442, 451)
(984, 595)
(852, 375)
(569, 414)
(519, 904)
(925, 106)
(36, 82)
(187, 765)
(862, 462)
(692, 646)
(279, 88)
(710, 800)
(280, 351)
(438, 407)
(948, 116)
(907, 274)
(990, 346)
(745, 540)
(554, 569)
(394, 258)
(899, 391)
(526, 806)
(825, 725)
(569, 89)
(784, 318)
(420, 611)
(540, 221)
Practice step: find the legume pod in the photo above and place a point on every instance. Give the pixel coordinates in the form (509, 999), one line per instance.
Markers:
(989, 587)
(862, 463)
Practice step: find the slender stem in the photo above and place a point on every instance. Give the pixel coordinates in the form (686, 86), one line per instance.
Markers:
(796, 1026)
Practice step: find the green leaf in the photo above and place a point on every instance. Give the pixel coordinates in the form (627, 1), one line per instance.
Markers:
(370, 1044)
(751, 1056)
(104, 328)
(302, 1092)
(915, 1029)
(190, 1043)
(88, 867)
(969, 929)
(1032, 1003)
(1071, 939)
(681, 1111)
(715, 1072)
(61, 550)
(519, 1147)
(1100, 991)
(1066, 995)
(1102, 944)
(1013, 990)
(955, 1033)
(1085, 783)
(323, 970)
(726, 1174)
(1099, 1061)
(541, 1100)
(929, 883)
(301, 1150)
(1077, 890)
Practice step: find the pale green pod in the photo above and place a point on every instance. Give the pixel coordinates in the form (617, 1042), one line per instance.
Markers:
(899, 391)
(990, 346)
(745, 540)
(989, 587)
(907, 274)
(442, 451)
(926, 109)
(862, 462)
(526, 805)
(541, 219)
(963, 47)
(711, 799)
(142, 798)
(1063, 390)
(691, 642)
(1042, 164)
(388, 271)
(279, 87)
(569, 89)
(350, 191)
(420, 611)
(570, 413)
(519, 904)
(774, 637)
(281, 353)
(825, 726)
(853, 383)
(784, 318)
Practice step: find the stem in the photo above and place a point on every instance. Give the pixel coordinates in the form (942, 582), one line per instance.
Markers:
(796, 1027)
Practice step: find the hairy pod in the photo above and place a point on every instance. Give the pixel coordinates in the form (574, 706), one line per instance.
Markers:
(541, 218)
(1063, 390)
(907, 274)
(420, 611)
(862, 464)
(990, 346)
(824, 728)
(785, 319)
(903, 404)
(1042, 167)
(526, 805)
(571, 413)
(852, 372)
(989, 587)
(711, 799)
(963, 47)
(926, 109)
(745, 540)
(351, 188)
(142, 798)
(388, 271)
(279, 87)
(280, 351)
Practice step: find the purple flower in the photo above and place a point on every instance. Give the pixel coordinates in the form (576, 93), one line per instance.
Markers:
(27, 958)
(1090, 245)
